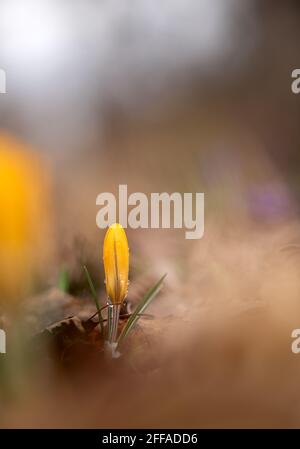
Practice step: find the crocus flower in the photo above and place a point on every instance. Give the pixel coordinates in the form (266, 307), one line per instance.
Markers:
(116, 263)
(116, 267)
(23, 218)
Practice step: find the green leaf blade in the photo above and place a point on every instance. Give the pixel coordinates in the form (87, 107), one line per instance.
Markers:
(143, 304)
(95, 297)
(64, 280)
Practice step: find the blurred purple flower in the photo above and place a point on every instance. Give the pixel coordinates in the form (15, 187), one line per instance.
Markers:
(270, 202)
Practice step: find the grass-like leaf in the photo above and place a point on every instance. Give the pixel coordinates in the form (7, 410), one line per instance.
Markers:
(63, 280)
(143, 304)
(95, 297)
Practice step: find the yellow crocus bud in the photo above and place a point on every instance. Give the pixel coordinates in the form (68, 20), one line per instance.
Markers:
(23, 218)
(116, 263)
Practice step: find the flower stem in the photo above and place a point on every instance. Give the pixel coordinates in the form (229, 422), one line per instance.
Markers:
(113, 321)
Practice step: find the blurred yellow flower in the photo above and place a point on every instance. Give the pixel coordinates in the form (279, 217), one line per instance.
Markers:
(116, 263)
(23, 216)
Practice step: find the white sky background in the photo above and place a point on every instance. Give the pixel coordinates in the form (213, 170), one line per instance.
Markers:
(65, 59)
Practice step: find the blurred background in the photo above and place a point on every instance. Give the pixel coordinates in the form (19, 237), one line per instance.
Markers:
(169, 96)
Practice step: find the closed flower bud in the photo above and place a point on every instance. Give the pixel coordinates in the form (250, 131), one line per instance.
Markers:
(116, 263)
